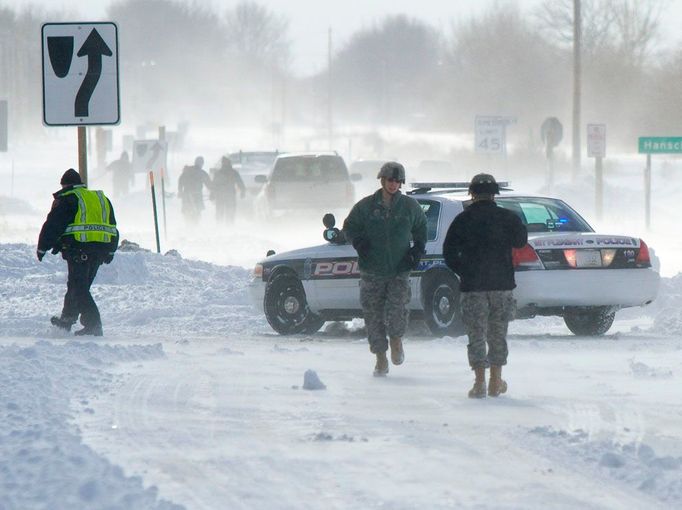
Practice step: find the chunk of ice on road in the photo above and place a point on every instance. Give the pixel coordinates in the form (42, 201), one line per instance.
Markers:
(312, 382)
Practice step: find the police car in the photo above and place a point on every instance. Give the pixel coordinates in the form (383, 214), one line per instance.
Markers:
(565, 270)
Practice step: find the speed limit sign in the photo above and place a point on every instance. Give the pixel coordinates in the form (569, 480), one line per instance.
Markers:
(491, 137)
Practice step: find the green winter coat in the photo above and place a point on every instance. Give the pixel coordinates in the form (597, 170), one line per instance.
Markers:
(388, 230)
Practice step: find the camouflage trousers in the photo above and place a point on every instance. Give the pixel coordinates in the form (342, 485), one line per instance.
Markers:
(486, 316)
(384, 305)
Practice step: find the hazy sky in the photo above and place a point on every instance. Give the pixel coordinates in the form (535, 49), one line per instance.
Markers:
(311, 19)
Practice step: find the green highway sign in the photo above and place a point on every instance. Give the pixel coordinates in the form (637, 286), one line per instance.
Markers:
(660, 144)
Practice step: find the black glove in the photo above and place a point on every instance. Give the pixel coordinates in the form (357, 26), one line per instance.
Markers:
(40, 254)
(108, 258)
(414, 255)
(361, 245)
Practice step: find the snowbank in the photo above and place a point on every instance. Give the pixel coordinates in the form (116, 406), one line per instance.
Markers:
(635, 464)
(43, 462)
(139, 293)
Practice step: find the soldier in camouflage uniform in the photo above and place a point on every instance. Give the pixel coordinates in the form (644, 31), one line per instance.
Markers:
(380, 228)
(478, 248)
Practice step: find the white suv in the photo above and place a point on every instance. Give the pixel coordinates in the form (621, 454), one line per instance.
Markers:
(309, 181)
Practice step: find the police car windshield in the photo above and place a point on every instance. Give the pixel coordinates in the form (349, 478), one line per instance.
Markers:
(545, 214)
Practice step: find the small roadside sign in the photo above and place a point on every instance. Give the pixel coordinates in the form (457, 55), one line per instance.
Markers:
(491, 133)
(80, 74)
(596, 140)
(660, 145)
(149, 155)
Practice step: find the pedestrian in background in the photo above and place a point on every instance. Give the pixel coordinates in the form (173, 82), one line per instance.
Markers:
(381, 227)
(226, 181)
(478, 248)
(191, 189)
(82, 226)
(123, 176)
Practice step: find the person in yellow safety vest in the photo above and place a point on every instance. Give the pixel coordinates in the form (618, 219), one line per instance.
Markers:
(82, 226)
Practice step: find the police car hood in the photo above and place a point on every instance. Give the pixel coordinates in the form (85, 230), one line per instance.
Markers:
(551, 240)
(301, 253)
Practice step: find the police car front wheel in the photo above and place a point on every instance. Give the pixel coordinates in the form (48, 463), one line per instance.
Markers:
(286, 307)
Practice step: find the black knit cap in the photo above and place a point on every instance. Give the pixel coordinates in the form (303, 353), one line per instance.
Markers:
(70, 177)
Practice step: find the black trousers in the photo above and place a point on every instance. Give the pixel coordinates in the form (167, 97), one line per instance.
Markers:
(78, 300)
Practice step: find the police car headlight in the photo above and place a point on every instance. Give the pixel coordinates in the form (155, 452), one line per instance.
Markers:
(258, 272)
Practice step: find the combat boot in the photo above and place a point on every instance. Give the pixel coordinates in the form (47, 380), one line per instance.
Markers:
(64, 323)
(479, 389)
(397, 353)
(497, 385)
(381, 368)
(94, 330)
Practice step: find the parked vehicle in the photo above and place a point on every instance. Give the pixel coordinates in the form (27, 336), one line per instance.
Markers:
(566, 270)
(307, 181)
(249, 164)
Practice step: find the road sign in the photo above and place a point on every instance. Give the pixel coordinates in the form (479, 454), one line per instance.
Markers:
(596, 140)
(660, 145)
(80, 74)
(551, 132)
(149, 155)
(491, 134)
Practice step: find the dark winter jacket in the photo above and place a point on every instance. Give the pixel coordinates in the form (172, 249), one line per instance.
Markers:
(478, 246)
(224, 185)
(388, 232)
(61, 215)
(190, 185)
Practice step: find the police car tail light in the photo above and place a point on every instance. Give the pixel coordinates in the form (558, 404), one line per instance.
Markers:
(526, 258)
(607, 257)
(643, 258)
(571, 257)
(258, 271)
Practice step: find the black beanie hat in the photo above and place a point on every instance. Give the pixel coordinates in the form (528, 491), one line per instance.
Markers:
(71, 177)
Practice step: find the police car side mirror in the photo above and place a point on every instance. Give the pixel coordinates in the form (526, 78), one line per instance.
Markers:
(334, 236)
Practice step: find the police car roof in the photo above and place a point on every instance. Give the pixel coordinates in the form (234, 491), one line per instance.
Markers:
(458, 191)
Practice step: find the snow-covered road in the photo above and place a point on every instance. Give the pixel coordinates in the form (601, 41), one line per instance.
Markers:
(225, 423)
(191, 401)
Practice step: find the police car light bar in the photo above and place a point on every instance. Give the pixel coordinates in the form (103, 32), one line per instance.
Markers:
(428, 186)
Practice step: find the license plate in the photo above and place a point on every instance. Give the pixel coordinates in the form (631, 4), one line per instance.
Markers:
(588, 258)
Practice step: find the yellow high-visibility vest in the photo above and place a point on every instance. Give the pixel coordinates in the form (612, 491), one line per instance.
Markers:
(92, 222)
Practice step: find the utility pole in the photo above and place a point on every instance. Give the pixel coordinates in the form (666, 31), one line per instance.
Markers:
(577, 34)
(330, 130)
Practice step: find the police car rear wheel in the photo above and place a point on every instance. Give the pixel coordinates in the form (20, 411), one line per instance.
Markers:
(593, 322)
(286, 307)
(442, 312)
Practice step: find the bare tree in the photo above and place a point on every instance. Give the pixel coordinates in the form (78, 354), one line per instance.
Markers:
(257, 35)
(387, 71)
(497, 64)
(627, 28)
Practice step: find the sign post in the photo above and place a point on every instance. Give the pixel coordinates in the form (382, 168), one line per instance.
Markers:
(80, 78)
(596, 148)
(551, 132)
(655, 145)
(3, 125)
